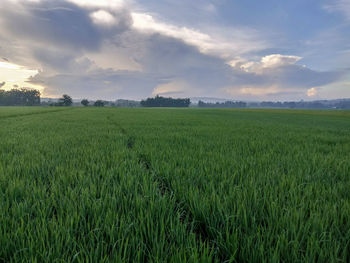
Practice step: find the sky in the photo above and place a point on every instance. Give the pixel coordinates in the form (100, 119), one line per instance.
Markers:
(132, 49)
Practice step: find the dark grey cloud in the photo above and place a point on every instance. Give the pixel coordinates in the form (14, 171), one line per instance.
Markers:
(59, 23)
(164, 60)
(69, 26)
(61, 61)
(2, 84)
(172, 58)
(103, 84)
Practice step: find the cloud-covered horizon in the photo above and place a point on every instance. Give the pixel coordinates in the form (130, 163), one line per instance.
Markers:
(113, 49)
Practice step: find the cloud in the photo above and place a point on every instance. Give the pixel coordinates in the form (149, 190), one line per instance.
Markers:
(110, 4)
(107, 50)
(210, 8)
(103, 17)
(12, 74)
(273, 61)
(100, 84)
(311, 92)
(341, 6)
(236, 43)
(277, 76)
(50, 23)
(164, 60)
(176, 87)
(282, 70)
(331, 90)
(278, 60)
(2, 84)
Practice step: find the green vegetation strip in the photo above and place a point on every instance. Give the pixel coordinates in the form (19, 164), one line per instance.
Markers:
(167, 185)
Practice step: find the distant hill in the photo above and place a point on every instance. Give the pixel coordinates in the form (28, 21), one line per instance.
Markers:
(208, 99)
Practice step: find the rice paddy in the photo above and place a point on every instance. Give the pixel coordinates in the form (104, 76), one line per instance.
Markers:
(174, 185)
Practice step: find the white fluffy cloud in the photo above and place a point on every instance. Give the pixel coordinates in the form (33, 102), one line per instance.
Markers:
(103, 17)
(278, 76)
(235, 43)
(278, 60)
(266, 62)
(110, 4)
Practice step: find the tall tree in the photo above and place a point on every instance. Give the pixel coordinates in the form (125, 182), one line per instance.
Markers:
(85, 102)
(66, 100)
(99, 103)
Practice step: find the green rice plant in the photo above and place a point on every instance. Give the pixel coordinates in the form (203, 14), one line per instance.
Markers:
(174, 185)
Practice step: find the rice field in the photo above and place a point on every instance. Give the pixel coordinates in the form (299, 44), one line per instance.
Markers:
(174, 185)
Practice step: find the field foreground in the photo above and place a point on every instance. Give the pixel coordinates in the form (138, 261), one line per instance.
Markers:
(174, 185)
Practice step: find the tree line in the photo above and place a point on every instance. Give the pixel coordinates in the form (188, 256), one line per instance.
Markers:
(19, 97)
(67, 100)
(159, 101)
(336, 104)
(226, 104)
(97, 103)
(31, 97)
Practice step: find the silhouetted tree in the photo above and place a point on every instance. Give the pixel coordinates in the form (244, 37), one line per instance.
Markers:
(99, 103)
(20, 97)
(165, 102)
(85, 102)
(2, 97)
(66, 100)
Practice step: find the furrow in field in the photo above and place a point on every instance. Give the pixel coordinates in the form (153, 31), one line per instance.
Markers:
(199, 228)
(165, 191)
(193, 224)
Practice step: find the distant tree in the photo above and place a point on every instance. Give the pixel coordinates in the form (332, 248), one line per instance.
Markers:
(31, 97)
(66, 100)
(159, 101)
(99, 103)
(85, 102)
(20, 97)
(127, 103)
(2, 97)
(201, 104)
